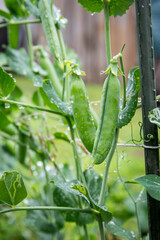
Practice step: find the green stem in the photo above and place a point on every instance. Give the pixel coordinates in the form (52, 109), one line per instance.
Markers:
(33, 107)
(76, 156)
(86, 232)
(30, 47)
(65, 79)
(132, 199)
(79, 171)
(101, 228)
(70, 209)
(107, 31)
(20, 22)
(106, 171)
(138, 222)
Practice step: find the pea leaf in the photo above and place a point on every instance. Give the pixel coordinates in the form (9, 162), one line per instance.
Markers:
(94, 182)
(64, 195)
(18, 61)
(12, 189)
(31, 8)
(65, 199)
(5, 14)
(16, 94)
(116, 7)
(7, 83)
(16, 7)
(51, 98)
(115, 228)
(4, 120)
(154, 116)
(3, 59)
(152, 184)
(105, 215)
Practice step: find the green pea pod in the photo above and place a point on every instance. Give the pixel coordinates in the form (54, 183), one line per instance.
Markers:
(49, 28)
(82, 113)
(109, 110)
(133, 89)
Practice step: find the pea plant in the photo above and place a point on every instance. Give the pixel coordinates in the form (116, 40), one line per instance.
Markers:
(53, 194)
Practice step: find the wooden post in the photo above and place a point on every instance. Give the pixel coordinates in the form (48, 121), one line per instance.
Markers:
(148, 95)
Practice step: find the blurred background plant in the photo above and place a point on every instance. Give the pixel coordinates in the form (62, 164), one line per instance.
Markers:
(43, 150)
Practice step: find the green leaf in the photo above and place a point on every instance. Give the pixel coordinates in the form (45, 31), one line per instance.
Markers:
(61, 135)
(12, 189)
(152, 184)
(64, 195)
(116, 7)
(13, 35)
(4, 120)
(16, 94)
(94, 182)
(154, 116)
(115, 228)
(105, 215)
(36, 98)
(3, 59)
(69, 187)
(51, 98)
(66, 199)
(7, 83)
(18, 61)
(16, 7)
(39, 220)
(5, 14)
(31, 8)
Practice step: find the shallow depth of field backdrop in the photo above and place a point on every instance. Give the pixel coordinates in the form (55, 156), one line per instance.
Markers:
(86, 35)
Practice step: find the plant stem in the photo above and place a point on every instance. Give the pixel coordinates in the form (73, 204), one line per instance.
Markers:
(132, 199)
(79, 171)
(107, 31)
(86, 232)
(20, 22)
(106, 171)
(101, 228)
(33, 107)
(76, 157)
(65, 79)
(54, 208)
(30, 48)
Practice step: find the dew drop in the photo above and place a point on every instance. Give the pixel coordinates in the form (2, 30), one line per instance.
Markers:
(7, 105)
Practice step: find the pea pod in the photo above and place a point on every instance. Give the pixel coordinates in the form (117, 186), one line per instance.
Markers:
(133, 88)
(49, 28)
(82, 113)
(109, 110)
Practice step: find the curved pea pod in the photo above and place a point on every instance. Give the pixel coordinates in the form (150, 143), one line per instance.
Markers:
(133, 89)
(109, 111)
(82, 113)
(49, 28)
